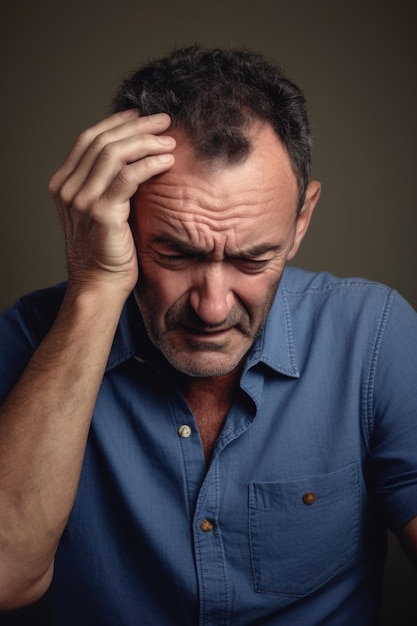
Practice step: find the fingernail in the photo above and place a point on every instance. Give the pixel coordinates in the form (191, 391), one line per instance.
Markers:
(159, 118)
(166, 141)
(165, 158)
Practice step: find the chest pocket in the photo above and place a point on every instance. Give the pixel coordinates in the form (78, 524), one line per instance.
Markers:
(303, 532)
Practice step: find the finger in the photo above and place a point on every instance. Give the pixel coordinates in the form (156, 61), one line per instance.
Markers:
(113, 207)
(84, 192)
(151, 124)
(85, 139)
(91, 142)
(128, 179)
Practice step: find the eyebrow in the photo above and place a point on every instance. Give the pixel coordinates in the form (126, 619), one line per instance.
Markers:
(187, 249)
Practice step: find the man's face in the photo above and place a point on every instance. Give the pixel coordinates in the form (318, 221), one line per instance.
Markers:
(212, 242)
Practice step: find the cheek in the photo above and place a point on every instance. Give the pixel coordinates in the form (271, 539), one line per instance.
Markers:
(163, 287)
(257, 291)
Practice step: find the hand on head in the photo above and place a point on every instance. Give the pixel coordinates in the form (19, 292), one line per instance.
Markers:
(92, 191)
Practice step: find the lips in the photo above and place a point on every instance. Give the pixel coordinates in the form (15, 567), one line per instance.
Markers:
(209, 332)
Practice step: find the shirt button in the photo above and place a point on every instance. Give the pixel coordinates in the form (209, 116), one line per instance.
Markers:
(309, 497)
(206, 525)
(184, 431)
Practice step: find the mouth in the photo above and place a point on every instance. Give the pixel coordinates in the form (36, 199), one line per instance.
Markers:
(210, 333)
(206, 339)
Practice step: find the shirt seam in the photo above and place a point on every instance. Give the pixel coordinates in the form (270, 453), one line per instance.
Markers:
(369, 391)
(340, 284)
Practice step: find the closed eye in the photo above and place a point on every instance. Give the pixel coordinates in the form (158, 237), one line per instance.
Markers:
(175, 261)
(251, 266)
(173, 257)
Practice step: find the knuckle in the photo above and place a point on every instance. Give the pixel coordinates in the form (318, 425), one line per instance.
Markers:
(108, 151)
(126, 175)
(57, 181)
(90, 139)
(86, 137)
(81, 202)
(54, 184)
(139, 122)
(149, 165)
(66, 193)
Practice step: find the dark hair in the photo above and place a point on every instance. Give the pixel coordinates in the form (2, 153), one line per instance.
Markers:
(215, 94)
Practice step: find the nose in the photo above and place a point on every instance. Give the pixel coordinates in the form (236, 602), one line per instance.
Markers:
(211, 296)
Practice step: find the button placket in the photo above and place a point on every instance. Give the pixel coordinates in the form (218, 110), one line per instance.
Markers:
(209, 552)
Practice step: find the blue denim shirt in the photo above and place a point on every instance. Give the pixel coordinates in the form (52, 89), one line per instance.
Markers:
(317, 457)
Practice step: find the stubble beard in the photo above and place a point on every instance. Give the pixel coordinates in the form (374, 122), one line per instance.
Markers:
(182, 316)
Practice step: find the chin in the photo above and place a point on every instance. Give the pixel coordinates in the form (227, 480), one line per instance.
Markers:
(204, 366)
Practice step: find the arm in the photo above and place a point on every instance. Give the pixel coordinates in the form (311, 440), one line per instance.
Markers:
(45, 420)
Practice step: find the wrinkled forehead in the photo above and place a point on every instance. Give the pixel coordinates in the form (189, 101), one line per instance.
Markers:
(217, 202)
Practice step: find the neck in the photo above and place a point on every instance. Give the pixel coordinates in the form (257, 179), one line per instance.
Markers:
(219, 388)
(210, 400)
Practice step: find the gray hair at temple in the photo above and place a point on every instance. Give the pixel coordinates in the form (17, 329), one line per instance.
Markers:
(214, 95)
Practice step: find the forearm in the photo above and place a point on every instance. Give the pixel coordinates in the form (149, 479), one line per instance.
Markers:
(43, 431)
(45, 421)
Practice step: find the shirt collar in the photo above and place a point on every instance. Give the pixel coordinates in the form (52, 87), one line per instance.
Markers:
(127, 336)
(274, 347)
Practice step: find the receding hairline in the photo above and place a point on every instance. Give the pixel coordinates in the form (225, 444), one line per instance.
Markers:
(252, 133)
(214, 93)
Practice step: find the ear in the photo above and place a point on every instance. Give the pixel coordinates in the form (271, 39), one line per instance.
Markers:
(304, 217)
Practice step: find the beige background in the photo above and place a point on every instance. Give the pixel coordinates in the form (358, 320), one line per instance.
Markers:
(356, 61)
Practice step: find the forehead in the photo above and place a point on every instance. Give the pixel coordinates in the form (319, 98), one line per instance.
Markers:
(222, 198)
(267, 164)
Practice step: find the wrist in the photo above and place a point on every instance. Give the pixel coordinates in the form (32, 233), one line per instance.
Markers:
(96, 289)
(93, 302)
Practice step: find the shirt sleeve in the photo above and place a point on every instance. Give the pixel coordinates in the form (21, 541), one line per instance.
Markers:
(392, 406)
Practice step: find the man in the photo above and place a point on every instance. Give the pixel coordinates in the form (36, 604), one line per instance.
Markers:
(194, 434)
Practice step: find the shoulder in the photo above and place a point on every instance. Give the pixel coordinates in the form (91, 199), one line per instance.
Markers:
(321, 291)
(297, 281)
(322, 305)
